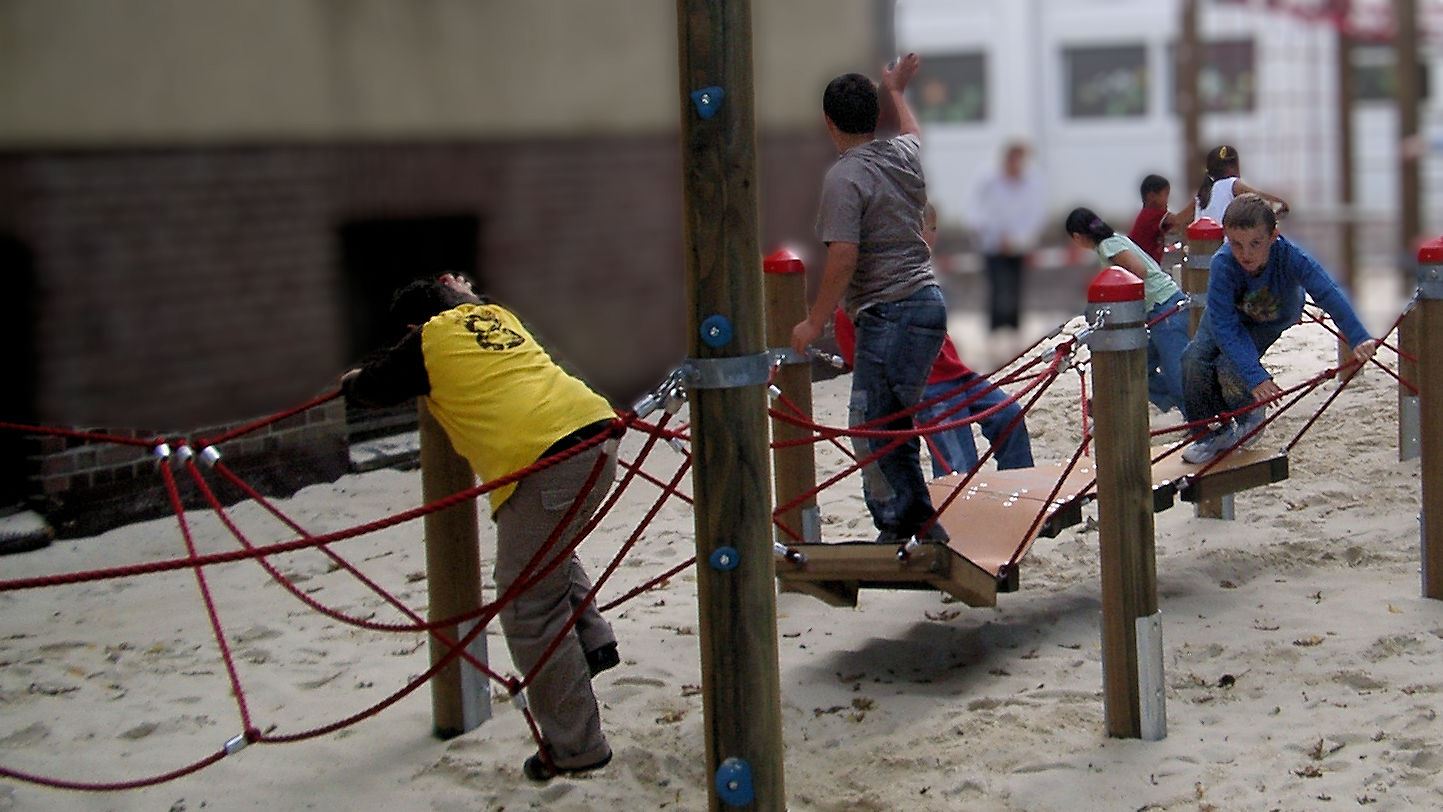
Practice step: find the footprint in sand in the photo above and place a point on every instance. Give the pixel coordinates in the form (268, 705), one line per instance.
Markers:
(1392, 646)
(26, 736)
(1358, 681)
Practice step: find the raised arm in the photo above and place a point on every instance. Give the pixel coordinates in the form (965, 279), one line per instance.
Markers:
(895, 78)
(1280, 205)
(1179, 220)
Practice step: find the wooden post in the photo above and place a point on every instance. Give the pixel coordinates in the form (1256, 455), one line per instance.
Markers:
(1430, 384)
(795, 467)
(1189, 101)
(727, 372)
(1132, 677)
(1204, 238)
(1410, 227)
(460, 695)
(1347, 199)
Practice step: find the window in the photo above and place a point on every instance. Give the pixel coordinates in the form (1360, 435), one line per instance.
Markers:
(1375, 76)
(1106, 82)
(952, 89)
(1227, 76)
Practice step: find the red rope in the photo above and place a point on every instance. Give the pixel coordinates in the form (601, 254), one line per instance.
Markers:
(564, 635)
(76, 434)
(113, 786)
(630, 466)
(173, 493)
(821, 432)
(987, 455)
(289, 586)
(649, 585)
(247, 428)
(169, 565)
(1374, 361)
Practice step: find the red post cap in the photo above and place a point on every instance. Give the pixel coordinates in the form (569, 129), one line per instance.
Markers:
(1431, 252)
(1115, 285)
(783, 260)
(1205, 229)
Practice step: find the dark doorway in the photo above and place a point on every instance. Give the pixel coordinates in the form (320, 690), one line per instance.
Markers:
(18, 314)
(380, 255)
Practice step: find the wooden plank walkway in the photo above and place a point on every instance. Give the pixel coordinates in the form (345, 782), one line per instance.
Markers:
(989, 521)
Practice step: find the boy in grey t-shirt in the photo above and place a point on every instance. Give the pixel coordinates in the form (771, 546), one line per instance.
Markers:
(877, 261)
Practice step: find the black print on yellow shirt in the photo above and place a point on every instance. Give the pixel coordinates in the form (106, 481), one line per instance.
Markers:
(490, 334)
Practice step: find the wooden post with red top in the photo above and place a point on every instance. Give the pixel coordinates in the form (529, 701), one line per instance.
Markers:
(1132, 676)
(794, 469)
(1429, 380)
(1204, 238)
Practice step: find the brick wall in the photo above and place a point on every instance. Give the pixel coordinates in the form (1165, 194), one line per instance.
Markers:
(203, 286)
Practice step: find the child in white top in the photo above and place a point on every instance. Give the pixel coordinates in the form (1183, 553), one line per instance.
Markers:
(1220, 186)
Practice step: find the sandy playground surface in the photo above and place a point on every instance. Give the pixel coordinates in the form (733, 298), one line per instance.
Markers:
(1301, 663)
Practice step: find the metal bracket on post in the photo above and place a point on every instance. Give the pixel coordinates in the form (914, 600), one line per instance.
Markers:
(1423, 552)
(475, 686)
(1150, 688)
(812, 525)
(727, 373)
(786, 356)
(1410, 428)
(1118, 317)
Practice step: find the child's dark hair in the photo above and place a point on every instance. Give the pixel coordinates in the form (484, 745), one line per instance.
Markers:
(850, 101)
(417, 302)
(1083, 221)
(1221, 163)
(1152, 184)
(1250, 211)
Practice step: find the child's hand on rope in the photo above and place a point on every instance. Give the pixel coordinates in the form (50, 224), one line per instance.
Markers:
(1364, 352)
(1267, 390)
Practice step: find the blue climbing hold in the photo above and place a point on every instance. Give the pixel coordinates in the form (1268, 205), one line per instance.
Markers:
(724, 559)
(707, 100)
(716, 331)
(734, 782)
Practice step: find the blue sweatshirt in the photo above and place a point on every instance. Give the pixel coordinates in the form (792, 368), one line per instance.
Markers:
(1237, 300)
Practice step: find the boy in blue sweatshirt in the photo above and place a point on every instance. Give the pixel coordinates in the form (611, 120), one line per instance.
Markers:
(1255, 292)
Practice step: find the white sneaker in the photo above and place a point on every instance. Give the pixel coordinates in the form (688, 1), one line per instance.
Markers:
(1246, 423)
(1207, 448)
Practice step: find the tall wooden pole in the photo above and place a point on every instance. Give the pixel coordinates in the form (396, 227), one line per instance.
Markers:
(1410, 226)
(727, 371)
(460, 695)
(795, 467)
(1189, 101)
(1132, 677)
(1204, 238)
(1348, 228)
(1430, 384)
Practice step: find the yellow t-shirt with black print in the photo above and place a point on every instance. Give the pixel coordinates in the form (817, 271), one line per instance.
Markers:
(499, 396)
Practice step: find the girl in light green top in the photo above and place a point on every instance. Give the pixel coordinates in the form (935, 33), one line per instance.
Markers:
(1166, 337)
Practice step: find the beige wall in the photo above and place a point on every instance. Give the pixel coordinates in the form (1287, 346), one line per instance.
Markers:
(95, 73)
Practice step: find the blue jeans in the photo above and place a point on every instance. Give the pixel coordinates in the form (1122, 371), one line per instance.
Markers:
(1211, 384)
(955, 450)
(1166, 342)
(896, 345)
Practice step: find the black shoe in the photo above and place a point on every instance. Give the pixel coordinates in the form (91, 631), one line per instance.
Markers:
(602, 659)
(537, 769)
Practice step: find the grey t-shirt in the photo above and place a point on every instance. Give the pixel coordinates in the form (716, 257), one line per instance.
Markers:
(873, 196)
